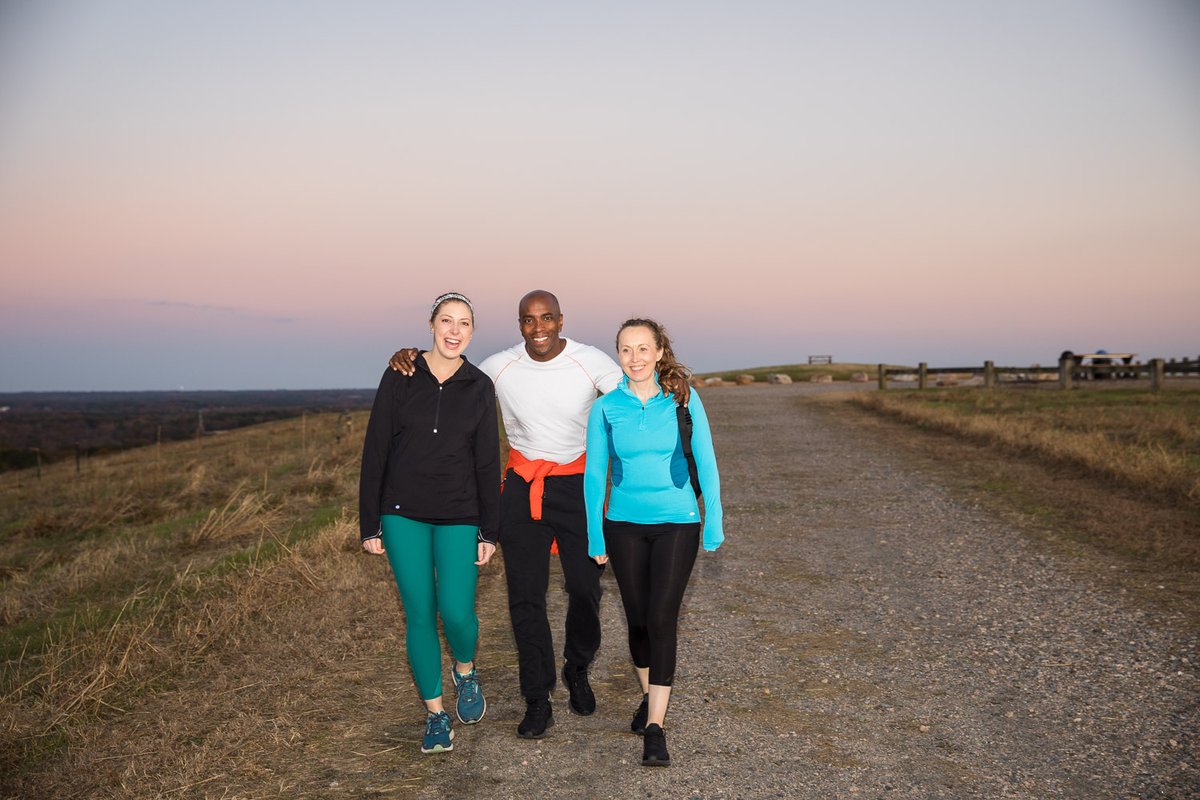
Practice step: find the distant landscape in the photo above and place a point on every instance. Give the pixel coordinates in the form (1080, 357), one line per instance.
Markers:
(45, 427)
(54, 426)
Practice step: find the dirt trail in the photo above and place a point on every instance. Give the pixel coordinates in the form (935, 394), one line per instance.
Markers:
(870, 629)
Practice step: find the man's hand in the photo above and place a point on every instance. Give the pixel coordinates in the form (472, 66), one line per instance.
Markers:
(601, 560)
(675, 386)
(486, 551)
(404, 361)
(374, 546)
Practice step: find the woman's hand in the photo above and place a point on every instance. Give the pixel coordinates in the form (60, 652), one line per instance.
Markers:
(374, 546)
(486, 551)
(601, 560)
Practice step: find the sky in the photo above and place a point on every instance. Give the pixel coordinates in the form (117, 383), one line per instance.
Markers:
(267, 194)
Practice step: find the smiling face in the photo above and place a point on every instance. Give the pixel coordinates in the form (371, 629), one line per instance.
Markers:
(452, 326)
(541, 325)
(639, 355)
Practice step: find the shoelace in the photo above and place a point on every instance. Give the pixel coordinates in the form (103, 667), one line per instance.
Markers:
(438, 723)
(469, 687)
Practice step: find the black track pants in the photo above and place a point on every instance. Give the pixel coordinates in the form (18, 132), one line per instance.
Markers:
(526, 546)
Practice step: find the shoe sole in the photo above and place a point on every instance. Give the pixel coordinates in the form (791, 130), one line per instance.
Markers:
(653, 762)
(437, 748)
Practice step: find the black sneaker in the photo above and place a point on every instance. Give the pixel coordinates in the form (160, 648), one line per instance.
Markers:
(638, 725)
(538, 717)
(583, 699)
(654, 747)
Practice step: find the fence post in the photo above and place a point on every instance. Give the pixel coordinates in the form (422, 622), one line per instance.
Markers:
(1064, 372)
(922, 375)
(989, 375)
(1156, 374)
(882, 376)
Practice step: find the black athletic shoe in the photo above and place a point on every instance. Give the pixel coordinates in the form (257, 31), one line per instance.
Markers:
(638, 725)
(538, 717)
(654, 747)
(583, 699)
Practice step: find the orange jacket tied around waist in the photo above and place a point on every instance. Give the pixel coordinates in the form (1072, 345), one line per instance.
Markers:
(535, 472)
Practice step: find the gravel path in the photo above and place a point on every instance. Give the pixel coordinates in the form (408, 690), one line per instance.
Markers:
(869, 629)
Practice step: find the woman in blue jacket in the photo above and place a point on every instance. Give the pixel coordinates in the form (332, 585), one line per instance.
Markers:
(651, 530)
(429, 497)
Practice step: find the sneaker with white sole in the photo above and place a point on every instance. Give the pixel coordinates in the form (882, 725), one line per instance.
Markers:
(470, 706)
(439, 734)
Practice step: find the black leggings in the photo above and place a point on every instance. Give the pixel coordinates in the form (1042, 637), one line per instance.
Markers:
(652, 564)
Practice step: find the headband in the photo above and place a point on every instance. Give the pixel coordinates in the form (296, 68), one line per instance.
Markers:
(450, 296)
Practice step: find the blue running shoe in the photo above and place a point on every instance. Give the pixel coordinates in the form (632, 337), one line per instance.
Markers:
(439, 736)
(470, 705)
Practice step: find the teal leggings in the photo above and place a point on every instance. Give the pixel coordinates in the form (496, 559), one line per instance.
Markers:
(435, 569)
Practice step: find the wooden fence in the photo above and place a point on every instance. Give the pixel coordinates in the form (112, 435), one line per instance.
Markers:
(1068, 373)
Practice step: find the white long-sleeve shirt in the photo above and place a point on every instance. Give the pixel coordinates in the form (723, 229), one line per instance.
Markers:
(545, 404)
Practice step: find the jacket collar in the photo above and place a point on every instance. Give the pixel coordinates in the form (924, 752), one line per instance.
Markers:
(624, 387)
(464, 373)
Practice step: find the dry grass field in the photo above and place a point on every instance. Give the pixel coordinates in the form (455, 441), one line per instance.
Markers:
(115, 578)
(1146, 440)
(1132, 439)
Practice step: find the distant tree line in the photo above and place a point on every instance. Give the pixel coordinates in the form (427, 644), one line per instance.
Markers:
(59, 423)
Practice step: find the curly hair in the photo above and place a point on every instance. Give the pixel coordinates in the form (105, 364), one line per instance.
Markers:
(670, 369)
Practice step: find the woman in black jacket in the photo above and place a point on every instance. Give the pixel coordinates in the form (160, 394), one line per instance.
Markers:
(429, 497)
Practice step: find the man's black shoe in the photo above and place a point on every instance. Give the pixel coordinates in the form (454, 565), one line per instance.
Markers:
(583, 699)
(538, 717)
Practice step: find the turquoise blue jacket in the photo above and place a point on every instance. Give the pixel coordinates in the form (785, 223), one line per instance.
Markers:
(649, 472)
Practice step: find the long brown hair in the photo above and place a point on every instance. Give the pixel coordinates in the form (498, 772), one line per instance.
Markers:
(669, 367)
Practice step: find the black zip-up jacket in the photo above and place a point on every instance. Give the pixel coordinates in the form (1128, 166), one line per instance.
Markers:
(432, 452)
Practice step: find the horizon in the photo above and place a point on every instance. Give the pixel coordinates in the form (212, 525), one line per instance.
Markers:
(227, 197)
(868, 365)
